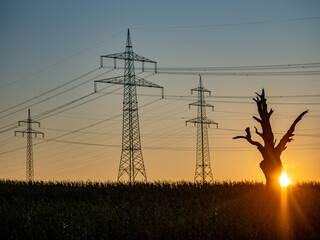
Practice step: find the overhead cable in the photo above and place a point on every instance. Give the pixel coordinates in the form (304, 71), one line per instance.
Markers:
(61, 61)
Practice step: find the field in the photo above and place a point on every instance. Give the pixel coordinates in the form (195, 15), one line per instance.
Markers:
(85, 210)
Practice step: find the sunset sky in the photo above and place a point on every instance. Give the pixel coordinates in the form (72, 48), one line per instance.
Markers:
(45, 44)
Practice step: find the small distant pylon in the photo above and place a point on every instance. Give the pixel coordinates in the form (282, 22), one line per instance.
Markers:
(29, 131)
(203, 171)
(131, 162)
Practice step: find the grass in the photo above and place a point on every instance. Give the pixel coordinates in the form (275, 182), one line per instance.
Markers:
(91, 210)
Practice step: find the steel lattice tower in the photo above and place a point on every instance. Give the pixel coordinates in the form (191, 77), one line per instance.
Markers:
(131, 162)
(29, 131)
(203, 172)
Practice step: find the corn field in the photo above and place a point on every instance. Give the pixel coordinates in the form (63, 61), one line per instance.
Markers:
(160, 210)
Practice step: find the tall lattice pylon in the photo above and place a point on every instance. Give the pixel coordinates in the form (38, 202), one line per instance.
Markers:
(131, 162)
(30, 132)
(203, 171)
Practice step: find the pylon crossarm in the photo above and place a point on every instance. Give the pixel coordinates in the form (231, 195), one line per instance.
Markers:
(203, 121)
(137, 81)
(125, 56)
(28, 131)
(145, 83)
(137, 57)
(201, 105)
(28, 121)
(200, 89)
(22, 132)
(193, 104)
(114, 80)
(114, 55)
(38, 133)
(194, 121)
(212, 122)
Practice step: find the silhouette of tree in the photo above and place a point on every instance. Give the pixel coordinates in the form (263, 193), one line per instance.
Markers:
(271, 164)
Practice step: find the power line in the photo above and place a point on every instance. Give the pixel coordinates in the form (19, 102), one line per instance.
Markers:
(265, 66)
(52, 110)
(242, 102)
(244, 68)
(102, 121)
(78, 130)
(174, 148)
(61, 61)
(80, 104)
(118, 115)
(49, 91)
(181, 150)
(241, 71)
(55, 95)
(76, 114)
(87, 166)
(243, 74)
(236, 68)
(12, 126)
(45, 115)
(87, 144)
(188, 97)
(228, 24)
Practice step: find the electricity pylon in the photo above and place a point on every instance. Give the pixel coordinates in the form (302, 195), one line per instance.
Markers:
(131, 162)
(29, 131)
(203, 171)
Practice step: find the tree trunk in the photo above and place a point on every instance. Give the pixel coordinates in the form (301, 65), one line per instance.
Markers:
(272, 171)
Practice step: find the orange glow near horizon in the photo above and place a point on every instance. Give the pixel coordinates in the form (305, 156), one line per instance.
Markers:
(84, 128)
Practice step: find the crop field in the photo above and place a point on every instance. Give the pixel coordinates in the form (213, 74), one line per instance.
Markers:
(183, 210)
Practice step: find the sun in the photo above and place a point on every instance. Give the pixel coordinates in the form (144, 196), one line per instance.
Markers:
(284, 180)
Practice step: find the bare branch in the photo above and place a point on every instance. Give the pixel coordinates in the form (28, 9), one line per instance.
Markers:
(275, 141)
(248, 132)
(288, 136)
(271, 111)
(257, 119)
(237, 137)
(257, 132)
(249, 139)
(264, 120)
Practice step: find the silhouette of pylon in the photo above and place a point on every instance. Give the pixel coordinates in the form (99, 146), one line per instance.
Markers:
(203, 172)
(29, 131)
(131, 162)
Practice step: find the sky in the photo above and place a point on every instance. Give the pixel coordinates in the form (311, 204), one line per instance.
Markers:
(47, 44)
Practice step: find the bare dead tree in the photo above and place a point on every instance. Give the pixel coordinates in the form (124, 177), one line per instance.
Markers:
(271, 164)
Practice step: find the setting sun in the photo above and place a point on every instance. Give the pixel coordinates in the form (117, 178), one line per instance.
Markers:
(284, 180)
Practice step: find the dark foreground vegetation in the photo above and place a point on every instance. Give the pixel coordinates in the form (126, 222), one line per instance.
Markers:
(77, 210)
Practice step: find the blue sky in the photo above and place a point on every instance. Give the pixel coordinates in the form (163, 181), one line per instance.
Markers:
(51, 30)
(56, 41)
